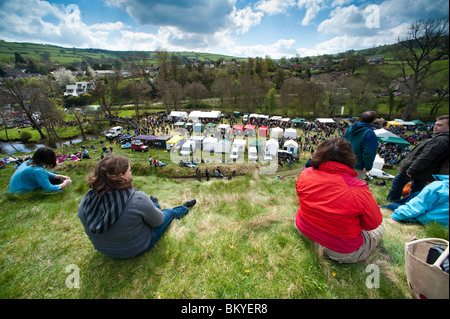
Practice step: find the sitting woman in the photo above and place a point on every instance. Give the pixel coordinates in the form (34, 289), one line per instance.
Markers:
(31, 175)
(336, 210)
(120, 221)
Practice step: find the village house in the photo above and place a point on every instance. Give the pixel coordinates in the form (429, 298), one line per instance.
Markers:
(376, 60)
(78, 88)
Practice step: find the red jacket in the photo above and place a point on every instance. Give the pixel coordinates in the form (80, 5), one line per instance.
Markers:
(334, 207)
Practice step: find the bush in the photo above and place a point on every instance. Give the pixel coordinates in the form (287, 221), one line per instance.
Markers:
(25, 137)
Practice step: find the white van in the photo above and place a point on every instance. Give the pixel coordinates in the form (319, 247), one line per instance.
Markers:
(114, 132)
(188, 148)
(234, 153)
(252, 154)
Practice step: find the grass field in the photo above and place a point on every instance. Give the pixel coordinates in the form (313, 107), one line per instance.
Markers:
(238, 242)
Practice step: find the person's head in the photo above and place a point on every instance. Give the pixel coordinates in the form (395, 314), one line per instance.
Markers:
(441, 124)
(111, 172)
(334, 149)
(368, 117)
(44, 156)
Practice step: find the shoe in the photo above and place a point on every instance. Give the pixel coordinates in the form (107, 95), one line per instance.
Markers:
(154, 199)
(190, 204)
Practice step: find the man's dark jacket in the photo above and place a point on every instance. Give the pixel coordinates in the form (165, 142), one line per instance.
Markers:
(426, 159)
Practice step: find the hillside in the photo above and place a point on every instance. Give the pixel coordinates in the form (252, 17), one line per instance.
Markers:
(60, 55)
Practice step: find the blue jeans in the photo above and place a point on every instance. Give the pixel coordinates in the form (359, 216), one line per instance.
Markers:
(399, 182)
(169, 215)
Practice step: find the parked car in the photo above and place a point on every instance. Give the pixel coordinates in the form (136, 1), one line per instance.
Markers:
(285, 155)
(139, 146)
(126, 145)
(378, 173)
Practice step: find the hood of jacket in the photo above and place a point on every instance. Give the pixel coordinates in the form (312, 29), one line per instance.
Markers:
(101, 212)
(358, 128)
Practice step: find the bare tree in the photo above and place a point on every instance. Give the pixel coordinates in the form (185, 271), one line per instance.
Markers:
(425, 43)
(23, 95)
(108, 93)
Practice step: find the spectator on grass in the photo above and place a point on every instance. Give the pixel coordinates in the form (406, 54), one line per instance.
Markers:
(120, 221)
(31, 175)
(337, 210)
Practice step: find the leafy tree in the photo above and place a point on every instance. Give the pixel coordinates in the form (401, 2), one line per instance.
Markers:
(425, 44)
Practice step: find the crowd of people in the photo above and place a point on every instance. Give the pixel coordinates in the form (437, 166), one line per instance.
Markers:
(346, 224)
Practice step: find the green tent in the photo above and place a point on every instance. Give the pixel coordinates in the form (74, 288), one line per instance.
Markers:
(394, 140)
(211, 124)
(418, 122)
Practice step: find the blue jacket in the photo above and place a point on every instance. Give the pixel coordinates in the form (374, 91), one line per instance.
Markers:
(364, 144)
(431, 204)
(28, 178)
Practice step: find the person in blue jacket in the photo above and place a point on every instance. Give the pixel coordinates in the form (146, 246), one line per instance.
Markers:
(364, 143)
(31, 175)
(431, 204)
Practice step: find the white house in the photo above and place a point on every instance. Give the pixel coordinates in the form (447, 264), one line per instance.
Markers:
(78, 88)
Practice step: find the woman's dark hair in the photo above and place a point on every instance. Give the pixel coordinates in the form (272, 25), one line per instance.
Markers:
(335, 149)
(44, 156)
(107, 174)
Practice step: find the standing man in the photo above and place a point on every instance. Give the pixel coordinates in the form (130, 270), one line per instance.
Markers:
(364, 143)
(425, 160)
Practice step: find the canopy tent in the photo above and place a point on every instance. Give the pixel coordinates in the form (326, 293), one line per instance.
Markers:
(297, 120)
(291, 145)
(125, 137)
(222, 146)
(325, 120)
(198, 127)
(388, 137)
(209, 144)
(290, 133)
(198, 116)
(161, 140)
(177, 139)
(177, 115)
(211, 124)
(276, 132)
(224, 127)
(146, 138)
(240, 143)
(262, 131)
(418, 122)
(271, 148)
(238, 129)
(393, 123)
(179, 124)
(404, 122)
(249, 130)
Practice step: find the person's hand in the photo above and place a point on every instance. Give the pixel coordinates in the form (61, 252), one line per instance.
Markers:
(61, 177)
(66, 182)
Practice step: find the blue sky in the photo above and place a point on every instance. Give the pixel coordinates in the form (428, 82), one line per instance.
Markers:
(243, 28)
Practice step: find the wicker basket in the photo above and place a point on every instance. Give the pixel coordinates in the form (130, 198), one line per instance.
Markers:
(426, 281)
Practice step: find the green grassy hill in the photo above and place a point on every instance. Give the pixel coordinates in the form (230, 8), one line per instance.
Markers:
(61, 55)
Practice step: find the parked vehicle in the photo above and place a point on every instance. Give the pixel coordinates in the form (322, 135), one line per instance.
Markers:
(126, 145)
(139, 146)
(285, 155)
(114, 132)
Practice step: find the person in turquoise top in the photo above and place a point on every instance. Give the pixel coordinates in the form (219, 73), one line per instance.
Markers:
(430, 205)
(364, 143)
(31, 175)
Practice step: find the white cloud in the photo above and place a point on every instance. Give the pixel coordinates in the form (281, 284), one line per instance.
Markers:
(245, 19)
(312, 8)
(272, 7)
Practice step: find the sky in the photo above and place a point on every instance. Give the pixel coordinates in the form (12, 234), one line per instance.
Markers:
(240, 28)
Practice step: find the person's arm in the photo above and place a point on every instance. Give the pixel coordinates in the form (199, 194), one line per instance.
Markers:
(369, 151)
(371, 216)
(151, 214)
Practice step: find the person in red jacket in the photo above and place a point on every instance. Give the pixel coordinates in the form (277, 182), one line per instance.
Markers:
(337, 210)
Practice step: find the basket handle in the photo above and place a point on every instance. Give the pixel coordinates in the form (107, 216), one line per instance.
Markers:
(441, 258)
